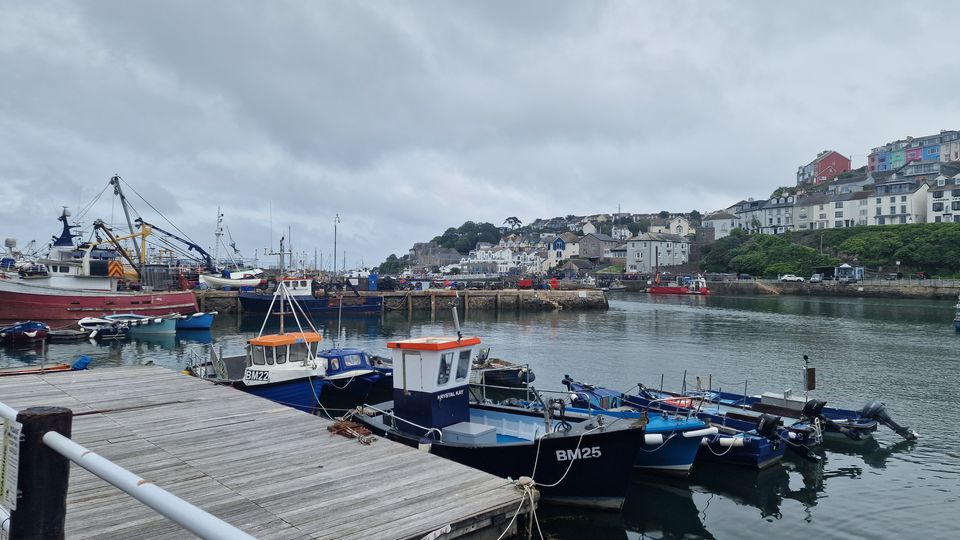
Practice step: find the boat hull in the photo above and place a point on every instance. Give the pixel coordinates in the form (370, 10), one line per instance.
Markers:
(27, 332)
(325, 305)
(677, 290)
(598, 479)
(300, 394)
(217, 282)
(52, 305)
(197, 321)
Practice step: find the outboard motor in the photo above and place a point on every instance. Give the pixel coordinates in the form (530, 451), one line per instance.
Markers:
(767, 425)
(813, 409)
(580, 400)
(875, 410)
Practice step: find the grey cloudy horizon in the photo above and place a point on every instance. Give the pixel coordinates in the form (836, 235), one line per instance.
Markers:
(406, 118)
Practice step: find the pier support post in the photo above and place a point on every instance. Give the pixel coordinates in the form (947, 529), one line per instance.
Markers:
(496, 303)
(466, 304)
(433, 306)
(43, 476)
(409, 305)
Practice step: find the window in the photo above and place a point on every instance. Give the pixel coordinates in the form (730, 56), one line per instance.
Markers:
(880, 221)
(937, 206)
(936, 219)
(838, 214)
(879, 200)
(838, 204)
(838, 223)
(893, 209)
(878, 210)
(956, 219)
(282, 357)
(941, 181)
(937, 194)
(893, 199)
(352, 360)
(955, 193)
(955, 205)
(258, 356)
(463, 365)
(446, 362)
(903, 209)
(903, 198)
(903, 219)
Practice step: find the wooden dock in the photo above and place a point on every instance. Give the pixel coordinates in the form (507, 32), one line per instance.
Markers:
(269, 470)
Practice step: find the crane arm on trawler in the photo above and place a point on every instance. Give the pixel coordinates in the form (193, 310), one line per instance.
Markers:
(143, 233)
(208, 260)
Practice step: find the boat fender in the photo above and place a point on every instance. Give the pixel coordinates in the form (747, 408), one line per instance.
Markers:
(424, 445)
(725, 442)
(700, 432)
(653, 439)
(525, 481)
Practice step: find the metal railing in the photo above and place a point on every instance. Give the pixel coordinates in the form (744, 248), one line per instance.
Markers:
(40, 427)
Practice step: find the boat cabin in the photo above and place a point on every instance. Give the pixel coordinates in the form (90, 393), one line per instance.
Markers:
(299, 286)
(273, 358)
(431, 381)
(345, 363)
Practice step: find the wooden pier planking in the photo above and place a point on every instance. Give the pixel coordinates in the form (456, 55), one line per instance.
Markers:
(270, 470)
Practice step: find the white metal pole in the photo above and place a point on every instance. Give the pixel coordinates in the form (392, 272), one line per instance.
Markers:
(188, 516)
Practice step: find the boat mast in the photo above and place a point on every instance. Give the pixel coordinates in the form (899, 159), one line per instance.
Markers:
(115, 180)
(217, 233)
(336, 219)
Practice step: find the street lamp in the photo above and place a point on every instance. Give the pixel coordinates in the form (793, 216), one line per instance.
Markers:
(336, 219)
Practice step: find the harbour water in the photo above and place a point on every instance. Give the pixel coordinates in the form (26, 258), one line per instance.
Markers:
(903, 352)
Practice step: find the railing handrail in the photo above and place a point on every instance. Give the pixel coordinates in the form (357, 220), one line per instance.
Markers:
(190, 517)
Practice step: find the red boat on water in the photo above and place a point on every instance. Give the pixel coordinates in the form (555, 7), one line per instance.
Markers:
(696, 285)
(70, 284)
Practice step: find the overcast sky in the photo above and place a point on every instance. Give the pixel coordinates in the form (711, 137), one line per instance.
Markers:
(410, 117)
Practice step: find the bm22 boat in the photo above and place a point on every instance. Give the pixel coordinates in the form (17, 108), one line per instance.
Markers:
(288, 367)
(737, 442)
(579, 463)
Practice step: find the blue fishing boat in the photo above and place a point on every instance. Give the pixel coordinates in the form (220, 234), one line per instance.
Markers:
(350, 375)
(835, 424)
(197, 321)
(23, 332)
(314, 299)
(752, 445)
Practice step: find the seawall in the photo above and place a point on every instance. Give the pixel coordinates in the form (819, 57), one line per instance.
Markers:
(925, 289)
(443, 299)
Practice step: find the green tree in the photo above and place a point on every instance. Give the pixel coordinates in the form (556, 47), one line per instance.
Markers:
(664, 214)
(513, 222)
(695, 217)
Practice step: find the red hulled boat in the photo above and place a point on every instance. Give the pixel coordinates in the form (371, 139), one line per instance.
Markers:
(696, 285)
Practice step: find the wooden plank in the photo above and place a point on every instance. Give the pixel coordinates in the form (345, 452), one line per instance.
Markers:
(209, 445)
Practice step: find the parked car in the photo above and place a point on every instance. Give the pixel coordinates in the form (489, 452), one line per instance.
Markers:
(791, 277)
(922, 275)
(816, 278)
(894, 276)
(744, 276)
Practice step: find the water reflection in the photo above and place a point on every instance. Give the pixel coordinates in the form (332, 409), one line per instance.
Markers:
(763, 489)
(655, 506)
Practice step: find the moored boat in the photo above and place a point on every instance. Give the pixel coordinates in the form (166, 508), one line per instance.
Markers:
(580, 463)
(23, 332)
(70, 284)
(688, 285)
(751, 445)
(142, 324)
(956, 318)
(235, 283)
(196, 321)
(104, 329)
(497, 372)
(314, 300)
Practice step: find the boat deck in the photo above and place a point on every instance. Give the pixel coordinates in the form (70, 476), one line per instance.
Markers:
(269, 470)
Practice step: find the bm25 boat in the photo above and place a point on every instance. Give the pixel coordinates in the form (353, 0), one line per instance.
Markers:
(585, 463)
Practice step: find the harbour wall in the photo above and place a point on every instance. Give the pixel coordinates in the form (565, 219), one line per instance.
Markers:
(923, 289)
(441, 299)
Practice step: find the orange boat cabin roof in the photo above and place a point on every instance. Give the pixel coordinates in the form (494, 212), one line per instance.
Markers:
(290, 338)
(433, 343)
